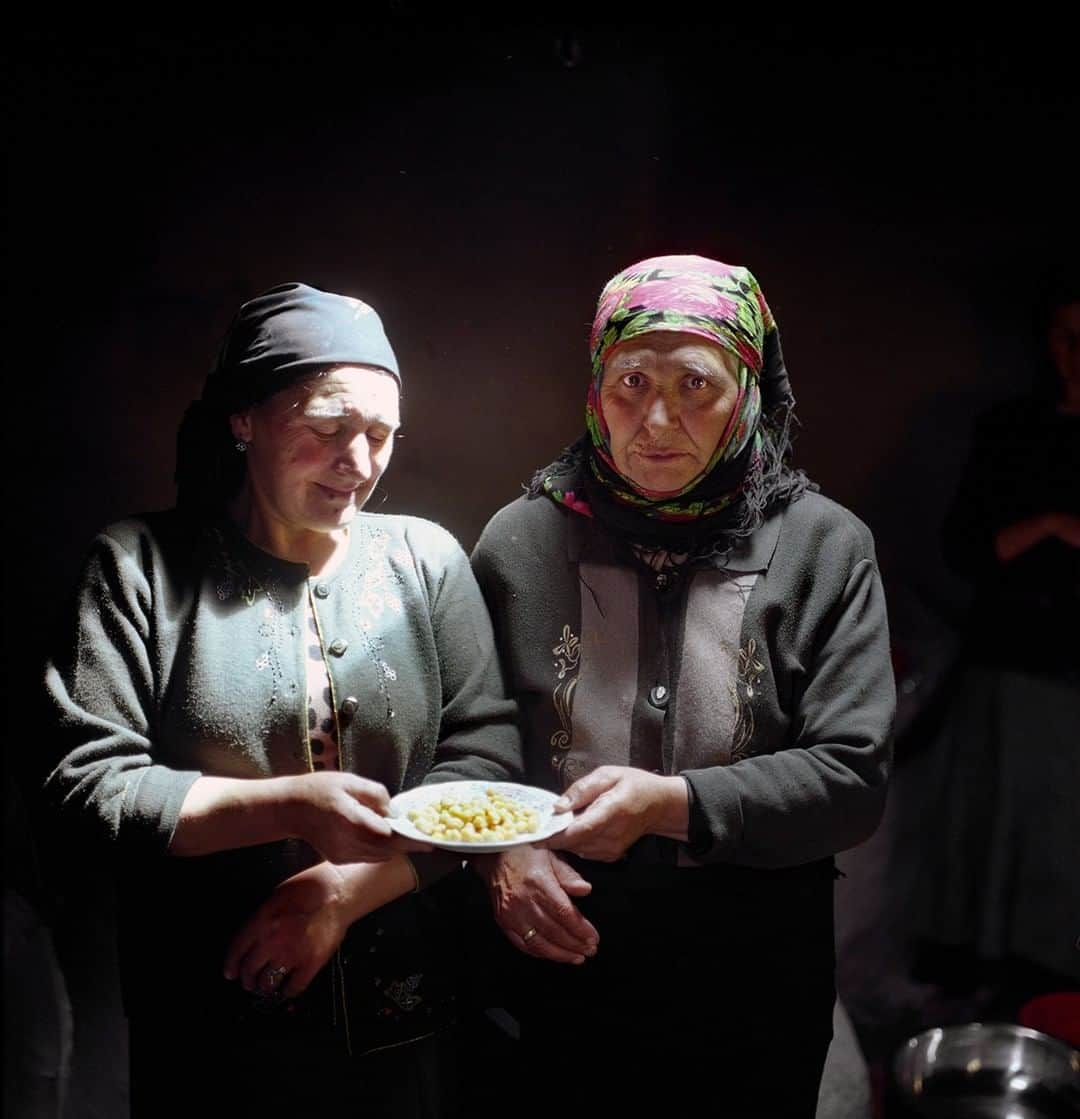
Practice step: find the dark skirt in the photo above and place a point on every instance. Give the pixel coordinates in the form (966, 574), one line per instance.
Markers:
(714, 982)
(1000, 829)
(186, 1074)
(375, 1032)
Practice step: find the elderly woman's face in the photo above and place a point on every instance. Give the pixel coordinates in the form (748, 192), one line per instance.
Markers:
(667, 398)
(317, 449)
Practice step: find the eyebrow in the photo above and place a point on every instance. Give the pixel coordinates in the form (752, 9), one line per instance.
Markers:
(692, 363)
(729, 364)
(327, 409)
(322, 409)
(630, 359)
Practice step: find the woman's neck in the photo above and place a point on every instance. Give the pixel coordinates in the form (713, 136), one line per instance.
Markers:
(321, 552)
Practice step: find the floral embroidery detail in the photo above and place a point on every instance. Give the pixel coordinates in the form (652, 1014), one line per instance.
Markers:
(235, 580)
(747, 676)
(402, 992)
(377, 591)
(567, 663)
(373, 584)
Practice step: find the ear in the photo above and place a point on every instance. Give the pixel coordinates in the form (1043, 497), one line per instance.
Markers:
(240, 423)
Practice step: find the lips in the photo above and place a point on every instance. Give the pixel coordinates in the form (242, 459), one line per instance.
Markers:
(662, 456)
(338, 493)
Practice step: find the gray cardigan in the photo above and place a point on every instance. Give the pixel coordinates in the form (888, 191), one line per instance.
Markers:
(185, 654)
(765, 682)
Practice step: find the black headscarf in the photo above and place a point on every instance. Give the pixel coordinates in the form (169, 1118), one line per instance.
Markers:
(286, 334)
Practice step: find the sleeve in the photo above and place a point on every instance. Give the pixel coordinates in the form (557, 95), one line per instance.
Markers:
(478, 732)
(826, 792)
(479, 738)
(99, 702)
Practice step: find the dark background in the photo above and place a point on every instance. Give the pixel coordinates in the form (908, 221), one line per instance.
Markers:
(900, 188)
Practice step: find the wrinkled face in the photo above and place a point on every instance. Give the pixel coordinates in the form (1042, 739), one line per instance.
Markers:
(667, 398)
(1065, 348)
(317, 449)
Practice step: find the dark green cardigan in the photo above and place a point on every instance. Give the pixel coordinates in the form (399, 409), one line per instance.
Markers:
(185, 654)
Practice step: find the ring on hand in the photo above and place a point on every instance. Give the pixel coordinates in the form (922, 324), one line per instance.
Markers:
(527, 936)
(274, 975)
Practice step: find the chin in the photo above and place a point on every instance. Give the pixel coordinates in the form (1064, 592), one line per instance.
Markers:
(663, 483)
(336, 522)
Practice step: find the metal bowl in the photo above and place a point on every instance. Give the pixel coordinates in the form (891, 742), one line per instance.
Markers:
(996, 1070)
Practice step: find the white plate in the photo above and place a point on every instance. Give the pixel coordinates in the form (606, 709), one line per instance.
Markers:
(529, 796)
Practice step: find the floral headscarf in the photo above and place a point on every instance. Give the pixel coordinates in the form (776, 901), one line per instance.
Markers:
(694, 295)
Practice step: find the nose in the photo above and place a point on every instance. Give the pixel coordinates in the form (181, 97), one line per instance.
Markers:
(355, 458)
(661, 412)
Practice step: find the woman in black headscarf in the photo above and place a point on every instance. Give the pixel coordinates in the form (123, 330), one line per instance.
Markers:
(243, 683)
(698, 645)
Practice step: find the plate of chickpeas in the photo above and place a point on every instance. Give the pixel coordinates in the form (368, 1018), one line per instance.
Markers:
(477, 816)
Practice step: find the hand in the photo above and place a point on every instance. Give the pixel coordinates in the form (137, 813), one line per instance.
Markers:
(1015, 539)
(616, 806)
(344, 818)
(1066, 527)
(297, 928)
(531, 890)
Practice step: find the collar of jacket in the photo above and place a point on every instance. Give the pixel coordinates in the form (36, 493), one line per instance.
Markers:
(586, 539)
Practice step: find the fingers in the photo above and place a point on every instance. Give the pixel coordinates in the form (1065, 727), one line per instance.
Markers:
(272, 978)
(550, 935)
(250, 956)
(561, 930)
(262, 967)
(605, 827)
(565, 938)
(259, 972)
(534, 943)
(359, 836)
(239, 947)
(298, 980)
(586, 789)
(370, 793)
(570, 880)
(590, 840)
(537, 915)
(376, 826)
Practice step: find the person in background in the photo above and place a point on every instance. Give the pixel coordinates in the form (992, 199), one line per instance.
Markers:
(240, 685)
(999, 916)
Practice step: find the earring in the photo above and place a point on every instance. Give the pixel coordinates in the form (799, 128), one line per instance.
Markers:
(241, 446)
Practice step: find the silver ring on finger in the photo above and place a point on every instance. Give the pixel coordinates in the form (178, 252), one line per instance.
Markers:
(272, 976)
(528, 935)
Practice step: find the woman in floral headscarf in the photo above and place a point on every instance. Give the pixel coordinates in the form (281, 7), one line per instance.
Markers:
(697, 641)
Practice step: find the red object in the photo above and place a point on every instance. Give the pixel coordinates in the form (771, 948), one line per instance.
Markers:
(1056, 1014)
